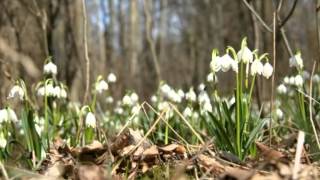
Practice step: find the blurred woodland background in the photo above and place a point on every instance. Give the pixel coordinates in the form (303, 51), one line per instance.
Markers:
(144, 41)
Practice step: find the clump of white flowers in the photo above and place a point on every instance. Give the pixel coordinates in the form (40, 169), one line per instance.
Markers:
(50, 68)
(187, 112)
(130, 99)
(16, 92)
(296, 61)
(50, 90)
(171, 94)
(282, 89)
(191, 95)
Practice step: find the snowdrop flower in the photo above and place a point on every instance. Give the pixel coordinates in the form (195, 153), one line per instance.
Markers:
(118, 110)
(7, 114)
(163, 106)
(296, 61)
(298, 81)
(135, 109)
(201, 87)
(90, 120)
(101, 86)
(181, 93)
(187, 112)
(267, 70)
(3, 141)
(234, 66)
(134, 97)
(282, 89)
(175, 97)
(50, 68)
(63, 93)
(292, 80)
(226, 62)
(165, 89)
(245, 55)
(210, 77)
(126, 100)
(256, 67)
(112, 78)
(216, 61)
(16, 91)
(38, 128)
(207, 106)
(154, 99)
(279, 113)
(316, 78)
(56, 92)
(109, 99)
(305, 75)
(191, 95)
(286, 80)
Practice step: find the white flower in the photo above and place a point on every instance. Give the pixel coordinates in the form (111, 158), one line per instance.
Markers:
(3, 141)
(267, 70)
(174, 96)
(305, 75)
(286, 80)
(7, 114)
(215, 64)
(154, 99)
(39, 128)
(16, 91)
(234, 66)
(279, 113)
(316, 78)
(296, 61)
(292, 80)
(245, 55)
(298, 81)
(207, 106)
(50, 68)
(191, 95)
(135, 109)
(134, 97)
(118, 110)
(165, 89)
(101, 86)
(126, 100)
(210, 77)
(256, 67)
(282, 89)
(163, 106)
(63, 93)
(112, 78)
(109, 99)
(181, 93)
(226, 62)
(90, 120)
(187, 112)
(56, 92)
(201, 87)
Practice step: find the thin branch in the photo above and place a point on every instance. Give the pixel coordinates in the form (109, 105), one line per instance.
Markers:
(311, 106)
(257, 16)
(289, 14)
(86, 55)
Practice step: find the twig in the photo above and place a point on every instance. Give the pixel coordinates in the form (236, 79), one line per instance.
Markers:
(4, 171)
(86, 55)
(257, 16)
(310, 105)
(274, 71)
(296, 167)
(289, 14)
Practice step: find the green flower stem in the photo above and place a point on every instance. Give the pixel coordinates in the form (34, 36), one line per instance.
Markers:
(238, 142)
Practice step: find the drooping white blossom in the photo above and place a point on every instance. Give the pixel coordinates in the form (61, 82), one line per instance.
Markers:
(282, 89)
(16, 92)
(267, 70)
(101, 86)
(90, 120)
(296, 61)
(298, 81)
(112, 78)
(191, 95)
(245, 55)
(187, 112)
(256, 67)
(50, 68)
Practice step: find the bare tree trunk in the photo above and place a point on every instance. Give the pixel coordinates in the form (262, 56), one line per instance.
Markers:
(163, 29)
(147, 9)
(134, 39)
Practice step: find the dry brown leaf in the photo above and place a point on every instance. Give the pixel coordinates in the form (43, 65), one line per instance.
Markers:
(90, 172)
(268, 153)
(236, 173)
(210, 164)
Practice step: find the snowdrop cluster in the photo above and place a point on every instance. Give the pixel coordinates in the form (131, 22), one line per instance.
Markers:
(50, 90)
(171, 94)
(297, 80)
(245, 56)
(204, 101)
(130, 99)
(191, 95)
